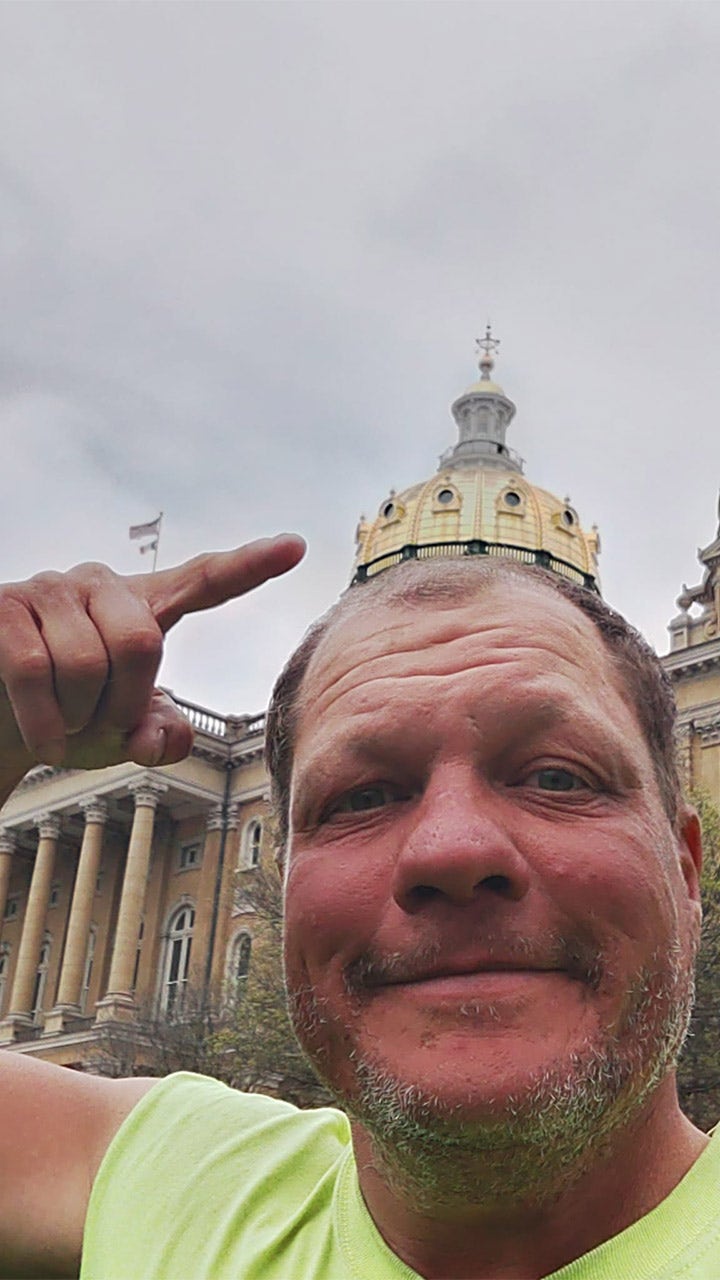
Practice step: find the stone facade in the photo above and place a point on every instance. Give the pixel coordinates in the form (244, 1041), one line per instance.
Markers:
(693, 664)
(117, 887)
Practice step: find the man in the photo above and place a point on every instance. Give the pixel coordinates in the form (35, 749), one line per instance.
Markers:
(492, 911)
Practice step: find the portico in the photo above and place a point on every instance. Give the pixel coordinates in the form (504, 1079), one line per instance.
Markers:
(93, 869)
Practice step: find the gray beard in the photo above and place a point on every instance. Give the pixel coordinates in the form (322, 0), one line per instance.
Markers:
(534, 1144)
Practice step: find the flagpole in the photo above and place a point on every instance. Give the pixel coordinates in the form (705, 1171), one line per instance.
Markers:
(149, 529)
(157, 542)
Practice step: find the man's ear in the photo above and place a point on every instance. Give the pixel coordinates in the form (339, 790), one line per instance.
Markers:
(689, 840)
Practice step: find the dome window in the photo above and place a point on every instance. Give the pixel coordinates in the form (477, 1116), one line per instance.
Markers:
(511, 502)
(446, 497)
(567, 519)
(392, 509)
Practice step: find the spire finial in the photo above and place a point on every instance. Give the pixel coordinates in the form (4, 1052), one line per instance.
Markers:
(487, 346)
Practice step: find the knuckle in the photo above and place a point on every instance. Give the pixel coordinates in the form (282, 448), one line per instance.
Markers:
(87, 667)
(142, 646)
(91, 573)
(202, 569)
(46, 586)
(30, 668)
(49, 579)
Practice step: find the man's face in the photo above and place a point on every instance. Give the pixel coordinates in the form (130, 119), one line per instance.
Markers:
(483, 887)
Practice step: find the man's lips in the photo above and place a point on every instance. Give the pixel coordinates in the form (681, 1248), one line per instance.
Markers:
(573, 955)
(450, 971)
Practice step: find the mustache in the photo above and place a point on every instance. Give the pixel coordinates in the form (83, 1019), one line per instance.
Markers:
(574, 951)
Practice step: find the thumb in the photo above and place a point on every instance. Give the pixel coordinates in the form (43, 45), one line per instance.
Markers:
(163, 736)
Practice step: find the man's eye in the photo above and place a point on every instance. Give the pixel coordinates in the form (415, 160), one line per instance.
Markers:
(554, 779)
(360, 799)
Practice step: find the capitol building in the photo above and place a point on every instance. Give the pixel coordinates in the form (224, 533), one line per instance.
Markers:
(120, 888)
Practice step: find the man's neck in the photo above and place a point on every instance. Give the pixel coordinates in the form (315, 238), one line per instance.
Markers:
(521, 1240)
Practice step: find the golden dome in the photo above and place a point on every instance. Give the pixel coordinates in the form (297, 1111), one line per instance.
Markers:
(484, 387)
(479, 502)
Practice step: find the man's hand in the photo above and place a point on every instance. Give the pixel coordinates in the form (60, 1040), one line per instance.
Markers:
(79, 653)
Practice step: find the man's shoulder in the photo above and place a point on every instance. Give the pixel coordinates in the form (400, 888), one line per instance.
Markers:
(204, 1096)
(195, 1155)
(185, 1119)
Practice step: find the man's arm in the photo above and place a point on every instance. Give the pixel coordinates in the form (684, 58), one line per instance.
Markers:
(79, 654)
(55, 1126)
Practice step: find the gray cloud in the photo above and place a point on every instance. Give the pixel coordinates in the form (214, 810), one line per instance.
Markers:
(245, 250)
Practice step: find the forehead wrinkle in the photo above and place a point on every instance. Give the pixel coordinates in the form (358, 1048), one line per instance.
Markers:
(348, 741)
(409, 647)
(446, 620)
(358, 672)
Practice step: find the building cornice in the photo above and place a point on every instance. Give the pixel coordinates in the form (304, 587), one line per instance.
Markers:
(692, 661)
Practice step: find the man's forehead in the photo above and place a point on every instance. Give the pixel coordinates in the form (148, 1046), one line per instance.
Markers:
(485, 603)
(504, 616)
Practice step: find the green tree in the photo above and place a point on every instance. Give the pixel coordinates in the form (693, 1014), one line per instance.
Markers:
(259, 1033)
(699, 1071)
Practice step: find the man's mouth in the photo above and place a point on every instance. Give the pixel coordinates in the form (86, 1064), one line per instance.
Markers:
(464, 970)
(578, 958)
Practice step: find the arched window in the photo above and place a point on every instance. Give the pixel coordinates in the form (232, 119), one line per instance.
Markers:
(89, 957)
(41, 977)
(239, 959)
(177, 957)
(4, 969)
(252, 843)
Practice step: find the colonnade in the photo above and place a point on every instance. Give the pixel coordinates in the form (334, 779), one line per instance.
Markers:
(118, 997)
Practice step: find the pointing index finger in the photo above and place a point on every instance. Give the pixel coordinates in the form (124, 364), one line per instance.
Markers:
(211, 579)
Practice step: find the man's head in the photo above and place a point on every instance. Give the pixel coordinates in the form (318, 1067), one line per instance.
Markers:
(491, 886)
(427, 584)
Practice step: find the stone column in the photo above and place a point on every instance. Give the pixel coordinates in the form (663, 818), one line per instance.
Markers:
(209, 891)
(118, 1001)
(684, 751)
(19, 1013)
(73, 965)
(8, 841)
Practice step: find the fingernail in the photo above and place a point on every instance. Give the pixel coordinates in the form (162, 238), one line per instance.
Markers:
(52, 752)
(160, 748)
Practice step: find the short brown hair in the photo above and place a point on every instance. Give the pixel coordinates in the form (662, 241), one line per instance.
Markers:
(420, 583)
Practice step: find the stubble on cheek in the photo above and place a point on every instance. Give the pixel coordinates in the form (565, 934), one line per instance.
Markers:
(325, 1036)
(334, 1032)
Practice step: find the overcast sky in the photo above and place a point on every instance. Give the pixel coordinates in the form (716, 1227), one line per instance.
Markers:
(246, 249)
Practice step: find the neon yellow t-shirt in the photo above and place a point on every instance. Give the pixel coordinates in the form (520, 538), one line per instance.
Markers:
(204, 1183)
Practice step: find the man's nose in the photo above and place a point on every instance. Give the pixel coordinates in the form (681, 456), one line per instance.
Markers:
(459, 848)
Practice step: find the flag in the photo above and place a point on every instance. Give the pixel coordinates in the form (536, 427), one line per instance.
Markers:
(148, 546)
(145, 530)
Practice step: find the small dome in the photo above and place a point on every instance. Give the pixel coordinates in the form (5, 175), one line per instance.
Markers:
(484, 387)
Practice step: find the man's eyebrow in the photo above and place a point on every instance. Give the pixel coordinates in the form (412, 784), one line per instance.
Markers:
(356, 748)
(376, 744)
